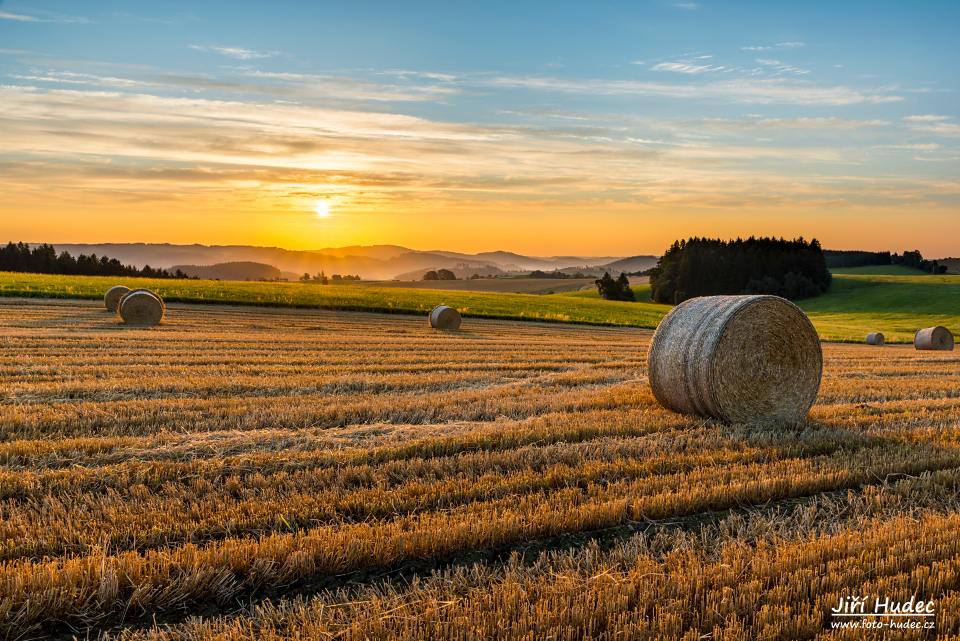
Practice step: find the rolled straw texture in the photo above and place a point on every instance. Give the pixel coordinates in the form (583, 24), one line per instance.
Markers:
(443, 317)
(934, 338)
(142, 308)
(112, 298)
(740, 359)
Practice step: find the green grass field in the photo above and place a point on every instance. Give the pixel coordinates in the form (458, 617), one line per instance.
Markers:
(348, 297)
(896, 305)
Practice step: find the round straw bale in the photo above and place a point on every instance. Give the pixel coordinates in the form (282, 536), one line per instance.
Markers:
(141, 308)
(740, 359)
(875, 338)
(112, 298)
(151, 292)
(935, 338)
(443, 317)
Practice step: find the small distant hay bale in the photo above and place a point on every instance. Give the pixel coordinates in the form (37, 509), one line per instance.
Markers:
(443, 317)
(934, 338)
(875, 338)
(740, 359)
(112, 298)
(142, 308)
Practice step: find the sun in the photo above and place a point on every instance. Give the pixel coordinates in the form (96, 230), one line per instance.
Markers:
(322, 208)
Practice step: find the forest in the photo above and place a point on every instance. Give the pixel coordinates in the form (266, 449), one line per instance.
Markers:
(44, 259)
(694, 267)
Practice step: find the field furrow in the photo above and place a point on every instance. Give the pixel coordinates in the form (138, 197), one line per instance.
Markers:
(376, 467)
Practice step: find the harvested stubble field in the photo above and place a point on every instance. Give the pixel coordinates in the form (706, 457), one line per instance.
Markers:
(241, 473)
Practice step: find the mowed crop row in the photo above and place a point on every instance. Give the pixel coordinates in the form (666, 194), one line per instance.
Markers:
(237, 452)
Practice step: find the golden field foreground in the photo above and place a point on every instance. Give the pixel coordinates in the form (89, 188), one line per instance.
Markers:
(242, 473)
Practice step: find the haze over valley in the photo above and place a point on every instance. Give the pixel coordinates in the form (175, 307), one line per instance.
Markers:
(375, 262)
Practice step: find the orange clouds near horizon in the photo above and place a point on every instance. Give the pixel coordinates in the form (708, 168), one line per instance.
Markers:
(139, 165)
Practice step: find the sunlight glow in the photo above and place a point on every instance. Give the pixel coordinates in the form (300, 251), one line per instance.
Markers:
(322, 208)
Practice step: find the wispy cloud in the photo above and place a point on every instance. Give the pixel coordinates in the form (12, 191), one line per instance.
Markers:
(347, 88)
(139, 143)
(74, 78)
(926, 118)
(17, 17)
(237, 53)
(427, 75)
(927, 146)
(778, 45)
(933, 124)
(44, 16)
(781, 124)
(686, 6)
(781, 67)
(685, 67)
(745, 90)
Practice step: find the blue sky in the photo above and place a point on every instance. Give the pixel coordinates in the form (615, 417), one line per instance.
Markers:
(666, 119)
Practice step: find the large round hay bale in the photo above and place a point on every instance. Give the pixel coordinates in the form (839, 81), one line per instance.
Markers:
(142, 308)
(740, 359)
(443, 317)
(149, 291)
(875, 338)
(935, 338)
(112, 298)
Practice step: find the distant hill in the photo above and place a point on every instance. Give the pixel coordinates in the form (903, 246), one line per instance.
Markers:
(631, 264)
(380, 252)
(241, 270)
(298, 262)
(374, 262)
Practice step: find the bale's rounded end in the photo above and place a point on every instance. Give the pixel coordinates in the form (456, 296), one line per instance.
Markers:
(875, 338)
(936, 338)
(740, 359)
(767, 364)
(141, 308)
(138, 290)
(443, 317)
(112, 298)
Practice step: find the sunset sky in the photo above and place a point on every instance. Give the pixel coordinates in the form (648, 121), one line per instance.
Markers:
(544, 128)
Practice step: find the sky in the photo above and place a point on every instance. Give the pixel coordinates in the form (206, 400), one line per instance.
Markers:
(550, 128)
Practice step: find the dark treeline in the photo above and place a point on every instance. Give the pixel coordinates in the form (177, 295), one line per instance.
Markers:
(539, 273)
(844, 258)
(440, 274)
(705, 266)
(321, 277)
(44, 259)
(612, 288)
(914, 259)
